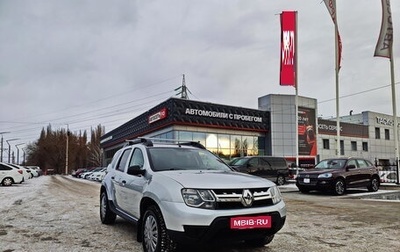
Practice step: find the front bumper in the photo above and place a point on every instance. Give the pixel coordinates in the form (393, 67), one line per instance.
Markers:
(219, 231)
(316, 184)
(193, 225)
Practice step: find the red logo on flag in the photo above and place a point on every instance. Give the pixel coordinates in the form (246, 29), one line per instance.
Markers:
(288, 46)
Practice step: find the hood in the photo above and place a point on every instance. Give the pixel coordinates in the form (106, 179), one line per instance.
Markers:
(319, 171)
(216, 179)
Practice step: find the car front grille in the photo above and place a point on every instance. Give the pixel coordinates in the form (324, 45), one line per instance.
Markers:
(232, 198)
(313, 179)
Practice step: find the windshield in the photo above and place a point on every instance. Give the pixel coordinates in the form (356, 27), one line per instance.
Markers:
(239, 161)
(331, 164)
(185, 159)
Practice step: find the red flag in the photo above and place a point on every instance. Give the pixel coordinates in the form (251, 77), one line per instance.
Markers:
(288, 54)
(331, 5)
(384, 45)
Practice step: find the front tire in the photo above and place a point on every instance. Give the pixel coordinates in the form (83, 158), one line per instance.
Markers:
(340, 187)
(374, 185)
(154, 232)
(260, 241)
(106, 215)
(7, 182)
(280, 180)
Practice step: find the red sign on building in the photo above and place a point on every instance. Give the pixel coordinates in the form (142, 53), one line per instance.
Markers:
(162, 114)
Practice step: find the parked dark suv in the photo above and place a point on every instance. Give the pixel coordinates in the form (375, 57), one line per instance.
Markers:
(272, 168)
(338, 174)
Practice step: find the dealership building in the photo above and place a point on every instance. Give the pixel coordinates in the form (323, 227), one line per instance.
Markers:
(270, 129)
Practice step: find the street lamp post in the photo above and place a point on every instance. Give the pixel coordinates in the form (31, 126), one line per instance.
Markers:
(1, 146)
(16, 146)
(66, 151)
(9, 148)
(23, 151)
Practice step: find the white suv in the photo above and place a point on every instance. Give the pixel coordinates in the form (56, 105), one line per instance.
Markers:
(183, 194)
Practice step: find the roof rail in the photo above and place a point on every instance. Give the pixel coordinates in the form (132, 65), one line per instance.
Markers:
(193, 143)
(144, 141)
(149, 142)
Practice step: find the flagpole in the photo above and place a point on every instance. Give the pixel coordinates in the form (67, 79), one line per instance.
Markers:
(296, 99)
(395, 126)
(337, 85)
(384, 48)
(331, 5)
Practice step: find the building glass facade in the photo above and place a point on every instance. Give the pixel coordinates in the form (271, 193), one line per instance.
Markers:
(224, 145)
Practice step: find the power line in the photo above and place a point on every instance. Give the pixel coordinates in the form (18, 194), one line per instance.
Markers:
(113, 111)
(357, 93)
(122, 109)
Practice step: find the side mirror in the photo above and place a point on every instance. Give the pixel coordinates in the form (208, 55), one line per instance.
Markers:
(135, 170)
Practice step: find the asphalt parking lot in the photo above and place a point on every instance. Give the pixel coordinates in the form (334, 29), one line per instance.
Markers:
(60, 213)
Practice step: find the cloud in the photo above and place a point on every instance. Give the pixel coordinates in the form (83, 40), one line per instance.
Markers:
(86, 62)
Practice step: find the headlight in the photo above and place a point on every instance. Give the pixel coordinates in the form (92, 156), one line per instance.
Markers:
(198, 198)
(275, 194)
(325, 175)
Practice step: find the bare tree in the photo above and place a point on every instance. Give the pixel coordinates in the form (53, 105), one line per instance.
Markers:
(49, 151)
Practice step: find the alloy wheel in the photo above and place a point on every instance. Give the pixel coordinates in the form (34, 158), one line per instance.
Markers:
(339, 187)
(150, 233)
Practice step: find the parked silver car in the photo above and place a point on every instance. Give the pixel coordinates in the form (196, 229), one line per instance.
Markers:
(183, 194)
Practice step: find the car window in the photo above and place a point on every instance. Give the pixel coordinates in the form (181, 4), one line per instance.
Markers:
(331, 164)
(276, 162)
(362, 163)
(123, 160)
(272, 161)
(352, 162)
(4, 168)
(264, 162)
(253, 162)
(137, 158)
(115, 158)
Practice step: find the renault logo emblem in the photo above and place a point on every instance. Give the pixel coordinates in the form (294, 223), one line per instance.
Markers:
(247, 198)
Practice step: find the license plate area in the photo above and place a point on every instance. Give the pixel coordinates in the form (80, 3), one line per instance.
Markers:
(250, 222)
(306, 180)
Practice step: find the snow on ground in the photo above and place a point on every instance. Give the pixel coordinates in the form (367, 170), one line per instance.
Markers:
(11, 195)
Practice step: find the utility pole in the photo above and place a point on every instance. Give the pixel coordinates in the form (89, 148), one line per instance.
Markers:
(9, 148)
(1, 147)
(23, 162)
(183, 89)
(16, 146)
(66, 152)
